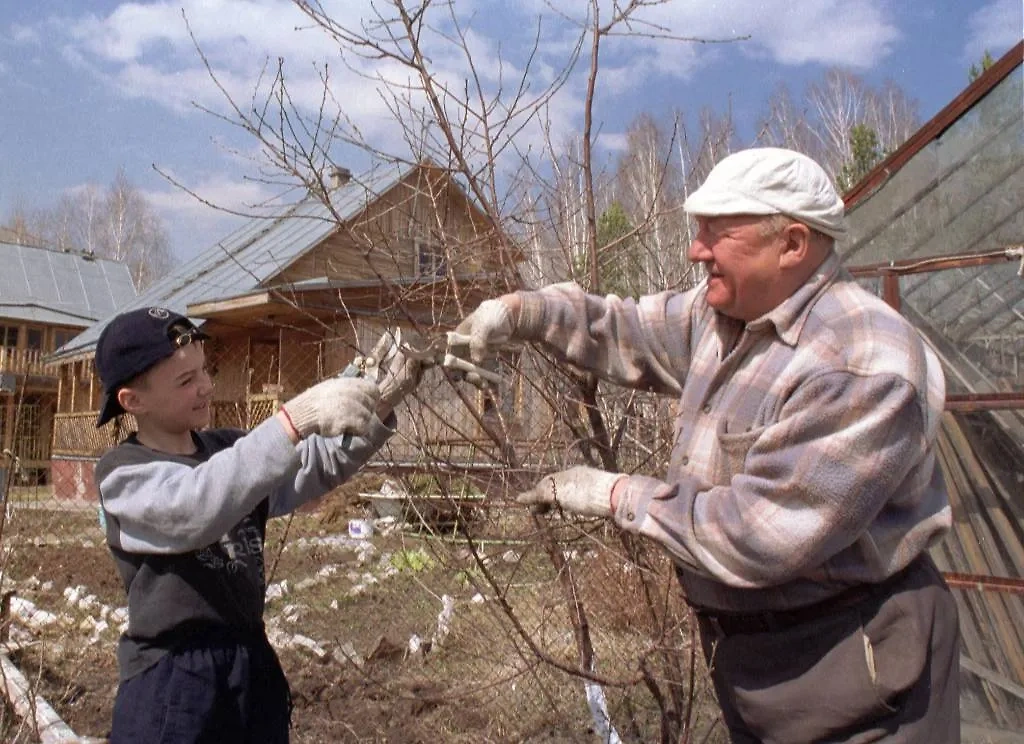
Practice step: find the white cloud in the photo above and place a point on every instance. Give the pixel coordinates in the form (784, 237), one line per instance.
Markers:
(613, 142)
(24, 34)
(145, 51)
(853, 33)
(995, 28)
(219, 204)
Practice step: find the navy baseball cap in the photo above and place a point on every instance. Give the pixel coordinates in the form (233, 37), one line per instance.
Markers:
(132, 343)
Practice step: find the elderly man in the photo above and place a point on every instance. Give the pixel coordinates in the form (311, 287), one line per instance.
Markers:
(803, 489)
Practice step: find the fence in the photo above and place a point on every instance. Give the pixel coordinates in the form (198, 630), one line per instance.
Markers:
(24, 362)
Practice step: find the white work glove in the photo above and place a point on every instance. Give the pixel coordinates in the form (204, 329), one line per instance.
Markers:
(484, 330)
(401, 377)
(340, 405)
(582, 490)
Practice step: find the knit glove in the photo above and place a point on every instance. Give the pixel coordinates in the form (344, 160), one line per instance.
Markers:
(582, 490)
(340, 405)
(402, 375)
(484, 330)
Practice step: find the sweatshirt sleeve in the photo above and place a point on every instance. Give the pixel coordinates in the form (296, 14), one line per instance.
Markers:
(174, 506)
(327, 462)
(643, 344)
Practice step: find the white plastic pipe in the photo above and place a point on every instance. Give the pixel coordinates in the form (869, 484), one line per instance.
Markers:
(50, 726)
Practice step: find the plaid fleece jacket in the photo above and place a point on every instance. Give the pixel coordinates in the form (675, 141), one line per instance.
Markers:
(804, 452)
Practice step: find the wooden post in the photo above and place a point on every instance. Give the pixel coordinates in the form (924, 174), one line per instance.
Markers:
(8, 428)
(74, 384)
(280, 355)
(891, 290)
(60, 385)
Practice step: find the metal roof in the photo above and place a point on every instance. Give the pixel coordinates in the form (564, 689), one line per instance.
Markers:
(255, 253)
(52, 286)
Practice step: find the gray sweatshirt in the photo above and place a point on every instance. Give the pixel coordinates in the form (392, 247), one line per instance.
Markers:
(187, 532)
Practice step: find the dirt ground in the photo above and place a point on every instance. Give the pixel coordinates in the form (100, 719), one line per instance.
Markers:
(358, 626)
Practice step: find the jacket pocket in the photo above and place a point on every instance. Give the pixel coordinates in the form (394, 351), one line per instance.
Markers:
(733, 448)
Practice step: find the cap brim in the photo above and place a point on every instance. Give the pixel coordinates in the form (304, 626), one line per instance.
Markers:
(109, 409)
(717, 202)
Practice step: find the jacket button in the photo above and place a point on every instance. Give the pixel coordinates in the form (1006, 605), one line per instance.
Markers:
(685, 460)
(706, 408)
(630, 516)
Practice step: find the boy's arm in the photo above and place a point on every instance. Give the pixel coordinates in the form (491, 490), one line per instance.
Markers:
(327, 462)
(159, 505)
(162, 503)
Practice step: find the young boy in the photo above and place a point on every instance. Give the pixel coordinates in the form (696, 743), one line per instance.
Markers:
(186, 511)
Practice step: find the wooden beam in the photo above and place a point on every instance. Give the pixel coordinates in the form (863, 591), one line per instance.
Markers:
(969, 402)
(974, 732)
(221, 307)
(1003, 683)
(932, 263)
(891, 291)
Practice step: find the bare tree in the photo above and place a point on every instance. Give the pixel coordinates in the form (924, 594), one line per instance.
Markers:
(117, 223)
(541, 203)
(837, 115)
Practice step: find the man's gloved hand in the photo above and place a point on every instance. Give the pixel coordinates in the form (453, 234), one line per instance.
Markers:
(484, 330)
(340, 405)
(402, 375)
(582, 490)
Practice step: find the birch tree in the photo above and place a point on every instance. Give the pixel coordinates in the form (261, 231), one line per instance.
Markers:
(842, 122)
(116, 223)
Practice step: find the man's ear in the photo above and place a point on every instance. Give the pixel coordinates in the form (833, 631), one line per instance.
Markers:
(130, 400)
(797, 237)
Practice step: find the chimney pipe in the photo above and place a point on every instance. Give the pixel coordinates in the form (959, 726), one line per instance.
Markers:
(340, 176)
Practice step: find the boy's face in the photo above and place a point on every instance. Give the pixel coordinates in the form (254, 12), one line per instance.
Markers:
(174, 395)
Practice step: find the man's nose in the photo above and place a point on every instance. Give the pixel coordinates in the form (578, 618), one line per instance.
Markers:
(699, 250)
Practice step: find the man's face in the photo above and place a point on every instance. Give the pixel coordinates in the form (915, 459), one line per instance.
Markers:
(742, 264)
(174, 395)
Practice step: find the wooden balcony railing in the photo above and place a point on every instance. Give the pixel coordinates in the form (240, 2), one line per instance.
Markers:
(25, 362)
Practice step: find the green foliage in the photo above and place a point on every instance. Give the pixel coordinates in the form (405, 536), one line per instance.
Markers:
(414, 561)
(975, 72)
(619, 257)
(866, 152)
(468, 577)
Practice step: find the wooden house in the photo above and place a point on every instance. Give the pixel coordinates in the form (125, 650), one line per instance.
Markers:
(291, 297)
(47, 297)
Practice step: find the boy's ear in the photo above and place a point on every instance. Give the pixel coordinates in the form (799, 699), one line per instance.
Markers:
(130, 400)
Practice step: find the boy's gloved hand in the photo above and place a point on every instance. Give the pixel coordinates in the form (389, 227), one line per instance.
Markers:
(340, 405)
(582, 490)
(484, 330)
(402, 375)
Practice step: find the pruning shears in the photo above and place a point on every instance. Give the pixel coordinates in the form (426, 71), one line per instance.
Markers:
(436, 353)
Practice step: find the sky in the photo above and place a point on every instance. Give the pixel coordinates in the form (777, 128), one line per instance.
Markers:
(93, 86)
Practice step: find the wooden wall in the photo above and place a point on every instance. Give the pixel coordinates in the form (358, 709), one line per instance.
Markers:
(381, 241)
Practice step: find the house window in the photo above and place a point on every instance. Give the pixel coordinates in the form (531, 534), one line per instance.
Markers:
(430, 258)
(62, 337)
(34, 339)
(9, 336)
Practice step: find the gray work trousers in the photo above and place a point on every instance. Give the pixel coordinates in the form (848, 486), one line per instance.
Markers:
(882, 670)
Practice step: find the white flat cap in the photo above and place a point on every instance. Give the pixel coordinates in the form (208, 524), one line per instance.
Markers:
(771, 180)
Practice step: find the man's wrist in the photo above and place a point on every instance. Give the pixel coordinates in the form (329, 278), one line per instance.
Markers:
(514, 303)
(617, 493)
